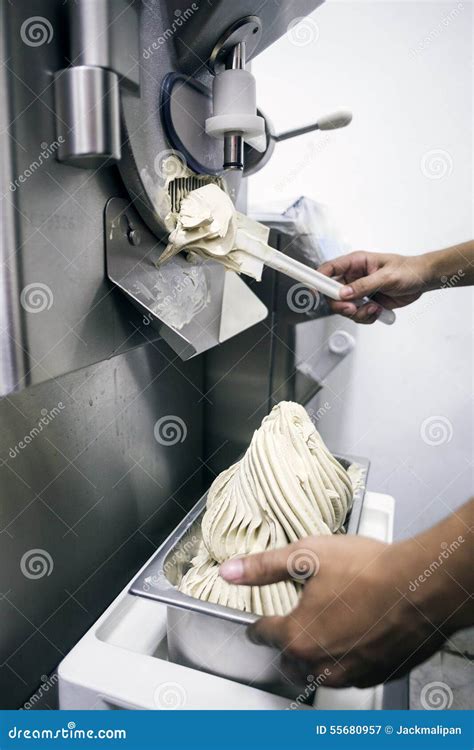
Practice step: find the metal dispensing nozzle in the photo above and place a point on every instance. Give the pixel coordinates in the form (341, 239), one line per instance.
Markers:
(234, 118)
(233, 142)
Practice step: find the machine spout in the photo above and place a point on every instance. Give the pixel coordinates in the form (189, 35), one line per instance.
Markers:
(235, 118)
(233, 142)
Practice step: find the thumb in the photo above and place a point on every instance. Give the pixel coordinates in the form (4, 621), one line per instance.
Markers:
(365, 286)
(270, 631)
(259, 569)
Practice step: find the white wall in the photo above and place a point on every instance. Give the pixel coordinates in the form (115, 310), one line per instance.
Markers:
(405, 69)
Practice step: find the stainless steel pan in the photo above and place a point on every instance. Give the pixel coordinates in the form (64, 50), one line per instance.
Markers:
(211, 637)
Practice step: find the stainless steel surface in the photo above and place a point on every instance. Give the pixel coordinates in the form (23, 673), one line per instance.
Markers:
(12, 355)
(209, 636)
(103, 46)
(52, 243)
(233, 151)
(193, 305)
(243, 365)
(88, 116)
(146, 142)
(238, 44)
(239, 54)
(104, 33)
(209, 23)
(235, 58)
(96, 487)
(52, 230)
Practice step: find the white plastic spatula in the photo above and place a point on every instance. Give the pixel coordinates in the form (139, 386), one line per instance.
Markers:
(209, 225)
(247, 242)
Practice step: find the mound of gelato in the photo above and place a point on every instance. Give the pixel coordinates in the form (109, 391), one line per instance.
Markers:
(287, 486)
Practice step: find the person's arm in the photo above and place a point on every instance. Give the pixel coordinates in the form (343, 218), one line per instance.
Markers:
(396, 280)
(369, 611)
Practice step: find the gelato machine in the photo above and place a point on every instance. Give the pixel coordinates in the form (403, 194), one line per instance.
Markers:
(126, 386)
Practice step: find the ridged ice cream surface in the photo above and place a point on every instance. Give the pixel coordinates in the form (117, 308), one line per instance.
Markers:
(286, 486)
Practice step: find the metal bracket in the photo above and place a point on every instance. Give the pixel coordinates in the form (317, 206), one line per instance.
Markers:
(194, 306)
(104, 49)
(246, 31)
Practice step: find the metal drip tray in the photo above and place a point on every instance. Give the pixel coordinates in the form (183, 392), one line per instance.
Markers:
(194, 306)
(211, 637)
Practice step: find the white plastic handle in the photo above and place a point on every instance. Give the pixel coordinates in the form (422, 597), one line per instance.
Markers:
(324, 284)
(335, 120)
(300, 272)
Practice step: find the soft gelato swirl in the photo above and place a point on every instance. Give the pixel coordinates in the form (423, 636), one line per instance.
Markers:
(286, 486)
(202, 581)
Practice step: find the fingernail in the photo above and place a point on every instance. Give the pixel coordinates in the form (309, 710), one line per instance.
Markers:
(349, 309)
(232, 570)
(374, 310)
(346, 291)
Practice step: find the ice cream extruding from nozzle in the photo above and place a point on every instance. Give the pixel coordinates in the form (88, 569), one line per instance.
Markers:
(209, 226)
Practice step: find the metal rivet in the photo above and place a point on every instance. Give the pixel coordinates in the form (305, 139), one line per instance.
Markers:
(134, 237)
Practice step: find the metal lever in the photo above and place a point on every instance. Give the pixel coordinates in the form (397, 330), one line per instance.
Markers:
(335, 120)
(261, 149)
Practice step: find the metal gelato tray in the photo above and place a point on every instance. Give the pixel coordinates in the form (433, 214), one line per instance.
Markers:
(211, 637)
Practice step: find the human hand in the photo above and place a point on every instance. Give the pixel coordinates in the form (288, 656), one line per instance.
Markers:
(390, 280)
(353, 622)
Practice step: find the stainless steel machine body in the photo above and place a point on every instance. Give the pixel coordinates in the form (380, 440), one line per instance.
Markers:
(86, 376)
